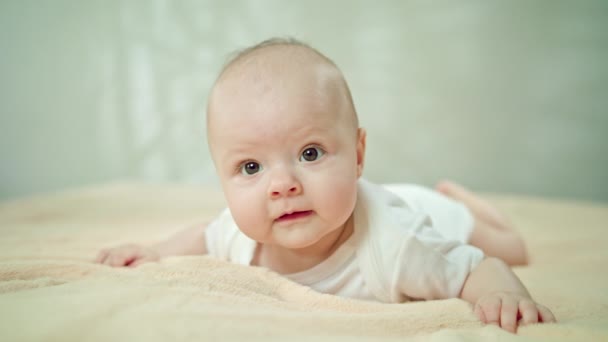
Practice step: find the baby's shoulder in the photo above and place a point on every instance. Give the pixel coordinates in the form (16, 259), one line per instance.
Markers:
(386, 213)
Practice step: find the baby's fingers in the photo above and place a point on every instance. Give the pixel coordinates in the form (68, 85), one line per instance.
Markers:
(529, 313)
(101, 256)
(488, 310)
(545, 315)
(121, 257)
(140, 261)
(508, 314)
(120, 260)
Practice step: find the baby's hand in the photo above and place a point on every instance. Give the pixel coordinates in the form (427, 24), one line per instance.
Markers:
(508, 310)
(129, 255)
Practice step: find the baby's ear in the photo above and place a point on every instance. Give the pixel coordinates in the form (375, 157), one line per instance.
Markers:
(361, 135)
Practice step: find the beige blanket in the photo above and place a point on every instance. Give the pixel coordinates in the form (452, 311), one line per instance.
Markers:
(50, 290)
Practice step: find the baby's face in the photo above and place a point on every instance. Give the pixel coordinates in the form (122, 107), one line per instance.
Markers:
(288, 157)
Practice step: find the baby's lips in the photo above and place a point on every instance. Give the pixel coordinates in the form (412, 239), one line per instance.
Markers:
(294, 215)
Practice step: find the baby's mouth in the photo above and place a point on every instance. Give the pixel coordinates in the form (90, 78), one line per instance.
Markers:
(293, 216)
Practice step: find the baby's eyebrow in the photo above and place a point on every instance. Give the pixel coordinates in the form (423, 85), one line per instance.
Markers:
(235, 157)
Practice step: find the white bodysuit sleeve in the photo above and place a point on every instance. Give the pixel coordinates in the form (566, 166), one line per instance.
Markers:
(225, 241)
(219, 234)
(452, 219)
(433, 267)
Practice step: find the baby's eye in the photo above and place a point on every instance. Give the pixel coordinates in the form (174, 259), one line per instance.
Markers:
(311, 154)
(250, 168)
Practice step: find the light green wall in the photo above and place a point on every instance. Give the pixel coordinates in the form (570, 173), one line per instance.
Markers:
(504, 96)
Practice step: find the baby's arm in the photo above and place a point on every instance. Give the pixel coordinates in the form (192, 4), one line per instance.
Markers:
(500, 298)
(189, 241)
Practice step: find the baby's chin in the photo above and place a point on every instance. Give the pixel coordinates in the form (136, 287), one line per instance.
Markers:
(298, 238)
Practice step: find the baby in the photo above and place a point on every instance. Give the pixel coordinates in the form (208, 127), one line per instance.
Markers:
(285, 139)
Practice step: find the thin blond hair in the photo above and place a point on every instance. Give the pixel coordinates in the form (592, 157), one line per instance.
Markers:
(239, 55)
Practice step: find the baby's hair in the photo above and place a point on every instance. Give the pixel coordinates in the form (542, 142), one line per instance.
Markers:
(289, 41)
(275, 41)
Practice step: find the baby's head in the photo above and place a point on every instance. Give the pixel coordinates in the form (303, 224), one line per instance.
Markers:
(284, 136)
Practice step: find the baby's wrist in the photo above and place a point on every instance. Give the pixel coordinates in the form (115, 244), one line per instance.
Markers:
(160, 249)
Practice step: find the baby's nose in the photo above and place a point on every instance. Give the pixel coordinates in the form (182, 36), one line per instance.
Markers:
(285, 184)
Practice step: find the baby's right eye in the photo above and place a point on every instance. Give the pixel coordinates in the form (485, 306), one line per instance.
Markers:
(250, 168)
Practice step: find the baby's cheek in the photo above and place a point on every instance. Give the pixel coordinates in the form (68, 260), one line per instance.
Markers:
(340, 198)
(247, 213)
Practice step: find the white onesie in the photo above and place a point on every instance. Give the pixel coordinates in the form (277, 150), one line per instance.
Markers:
(408, 243)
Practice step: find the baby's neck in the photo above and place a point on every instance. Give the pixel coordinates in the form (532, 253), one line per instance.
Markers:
(286, 261)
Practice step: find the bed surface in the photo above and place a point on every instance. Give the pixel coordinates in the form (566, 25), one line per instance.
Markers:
(50, 289)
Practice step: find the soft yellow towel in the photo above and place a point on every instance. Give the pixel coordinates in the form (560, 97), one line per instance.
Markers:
(50, 290)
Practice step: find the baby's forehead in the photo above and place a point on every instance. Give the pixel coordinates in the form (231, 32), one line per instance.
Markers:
(288, 76)
(286, 67)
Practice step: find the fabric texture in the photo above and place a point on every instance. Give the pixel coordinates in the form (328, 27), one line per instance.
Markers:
(51, 291)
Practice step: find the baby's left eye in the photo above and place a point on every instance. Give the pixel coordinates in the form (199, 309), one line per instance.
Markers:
(311, 154)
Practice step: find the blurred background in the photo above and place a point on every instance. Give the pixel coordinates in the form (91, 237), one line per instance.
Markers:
(503, 96)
